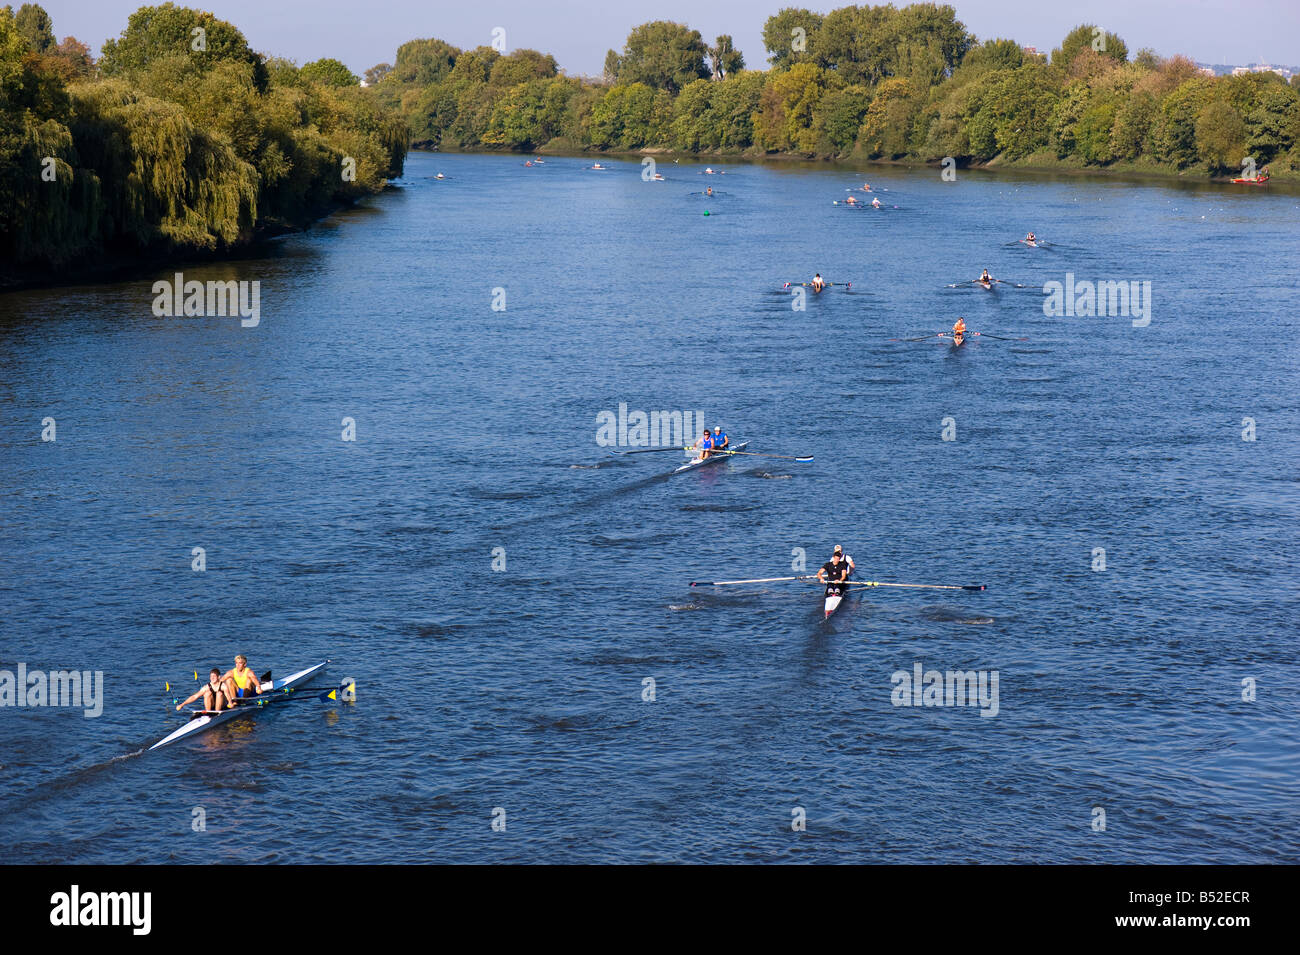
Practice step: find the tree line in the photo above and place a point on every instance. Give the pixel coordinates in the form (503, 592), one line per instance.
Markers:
(878, 83)
(179, 139)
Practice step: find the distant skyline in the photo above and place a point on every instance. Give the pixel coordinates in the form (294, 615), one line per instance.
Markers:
(578, 33)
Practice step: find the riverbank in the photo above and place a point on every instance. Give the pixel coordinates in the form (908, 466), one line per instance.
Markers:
(1039, 165)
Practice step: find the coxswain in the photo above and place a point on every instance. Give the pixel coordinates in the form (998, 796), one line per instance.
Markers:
(214, 693)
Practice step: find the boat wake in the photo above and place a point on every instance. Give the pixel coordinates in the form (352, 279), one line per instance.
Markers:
(772, 477)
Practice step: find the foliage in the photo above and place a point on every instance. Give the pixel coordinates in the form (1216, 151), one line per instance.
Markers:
(662, 56)
(330, 72)
(176, 149)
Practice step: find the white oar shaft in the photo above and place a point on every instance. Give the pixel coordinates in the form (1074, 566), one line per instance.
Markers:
(754, 580)
(878, 583)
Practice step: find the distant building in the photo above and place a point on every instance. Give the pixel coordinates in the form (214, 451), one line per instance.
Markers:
(1281, 71)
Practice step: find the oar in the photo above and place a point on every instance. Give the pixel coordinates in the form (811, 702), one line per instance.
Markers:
(755, 580)
(921, 339)
(293, 693)
(802, 458)
(167, 686)
(824, 284)
(1014, 284)
(999, 337)
(264, 678)
(880, 583)
(646, 450)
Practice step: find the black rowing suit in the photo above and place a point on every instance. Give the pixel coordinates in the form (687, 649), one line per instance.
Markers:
(835, 577)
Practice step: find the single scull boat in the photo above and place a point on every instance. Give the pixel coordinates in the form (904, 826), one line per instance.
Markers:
(272, 692)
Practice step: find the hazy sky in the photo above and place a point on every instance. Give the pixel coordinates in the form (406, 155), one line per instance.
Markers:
(578, 32)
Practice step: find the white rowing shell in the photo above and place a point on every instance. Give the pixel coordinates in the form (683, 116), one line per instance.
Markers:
(711, 459)
(200, 724)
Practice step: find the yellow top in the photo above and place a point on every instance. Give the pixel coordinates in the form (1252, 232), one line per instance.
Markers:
(243, 679)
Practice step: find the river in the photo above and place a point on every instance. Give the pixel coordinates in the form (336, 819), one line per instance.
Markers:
(513, 601)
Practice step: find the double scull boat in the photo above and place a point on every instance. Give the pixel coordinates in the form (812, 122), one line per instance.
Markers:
(713, 458)
(272, 692)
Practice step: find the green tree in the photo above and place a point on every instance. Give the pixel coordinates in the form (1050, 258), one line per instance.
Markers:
(1130, 133)
(789, 36)
(624, 118)
(154, 33)
(330, 72)
(726, 58)
(692, 124)
(530, 114)
(1014, 113)
(993, 55)
(375, 75)
(1089, 36)
(423, 62)
(522, 66)
(662, 56)
(787, 109)
(1273, 126)
(1220, 135)
(888, 120)
(840, 116)
(734, 106)
(36, 27)
(1174, 133)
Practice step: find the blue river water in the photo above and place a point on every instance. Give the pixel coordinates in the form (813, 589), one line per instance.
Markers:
(513, 601)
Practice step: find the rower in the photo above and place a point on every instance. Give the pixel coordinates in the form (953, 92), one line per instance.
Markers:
(866, 187)
(708, 191)
(818, 283)
(847, 560)
(214, 693)
(834, 573)
(704, 446)
(851, 201)
(985, 277)
(1031, 238)
(959, 330)
(876, 203)
(720, 439)
(241, 683)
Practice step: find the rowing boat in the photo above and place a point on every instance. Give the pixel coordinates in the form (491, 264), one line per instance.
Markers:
(276, 690)
(1253, 182)
(832, 602)
(712, 458)
(988, 286)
